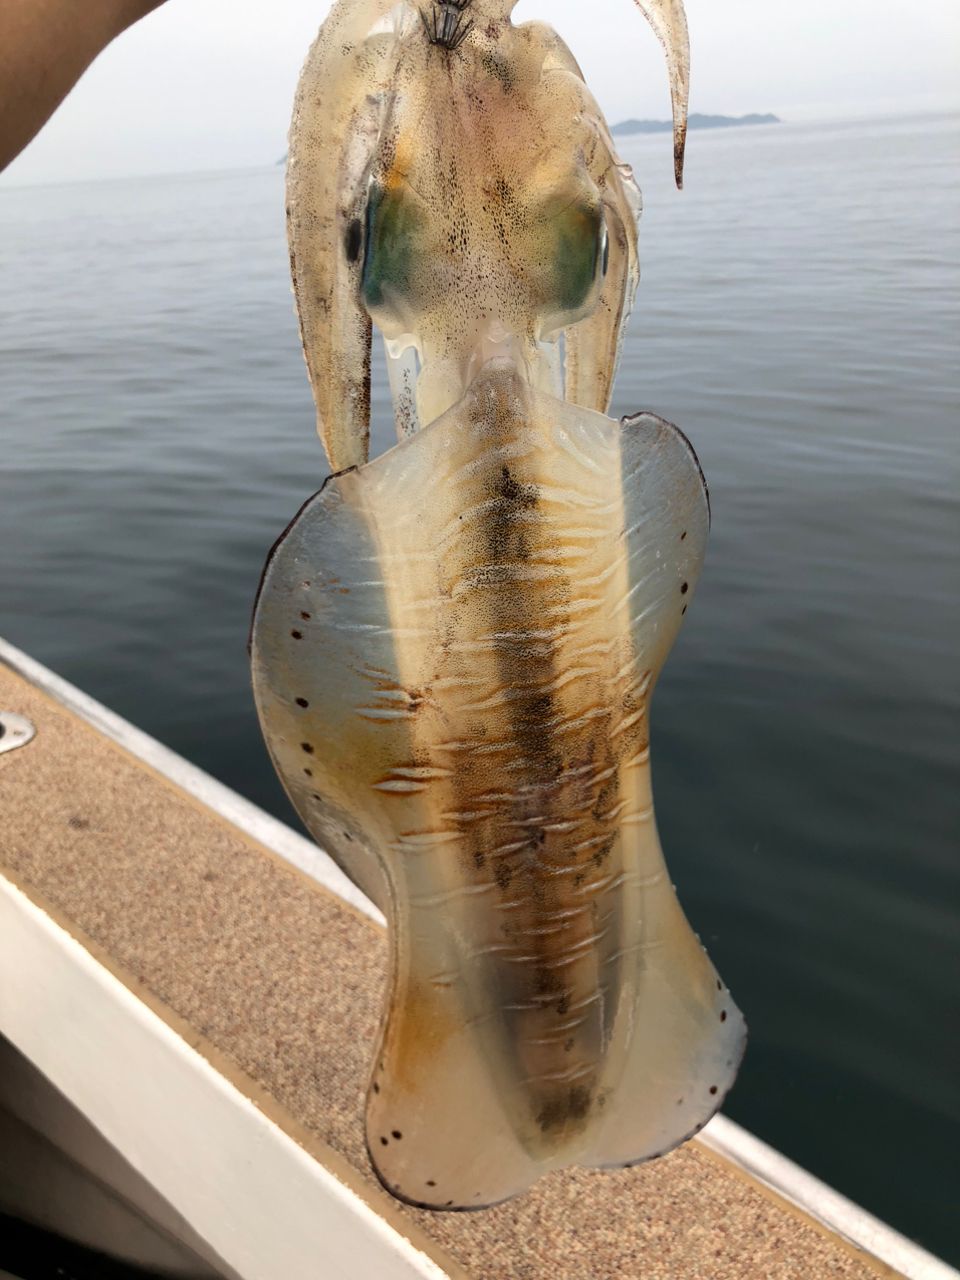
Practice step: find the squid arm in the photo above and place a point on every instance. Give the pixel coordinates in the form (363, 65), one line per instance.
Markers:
(669, 21)
(334, 127)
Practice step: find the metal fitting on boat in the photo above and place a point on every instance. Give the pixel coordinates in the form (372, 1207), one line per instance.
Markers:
(15, 731)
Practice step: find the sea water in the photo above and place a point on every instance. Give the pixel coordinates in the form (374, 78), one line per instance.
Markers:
(798, 317)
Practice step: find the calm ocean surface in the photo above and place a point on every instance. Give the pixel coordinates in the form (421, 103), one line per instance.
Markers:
(798, 317)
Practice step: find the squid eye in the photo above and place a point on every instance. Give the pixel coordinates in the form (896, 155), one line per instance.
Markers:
(571, 248)
(391, 255)
(578, 247)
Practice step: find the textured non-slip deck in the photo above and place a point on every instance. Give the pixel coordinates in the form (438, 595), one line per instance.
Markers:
(279, 983)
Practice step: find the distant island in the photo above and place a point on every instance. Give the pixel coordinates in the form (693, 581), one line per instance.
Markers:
(693, 122)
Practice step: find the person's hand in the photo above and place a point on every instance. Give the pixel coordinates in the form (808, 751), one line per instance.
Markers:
(45, 46)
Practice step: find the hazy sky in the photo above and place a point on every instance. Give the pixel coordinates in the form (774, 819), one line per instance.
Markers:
(205, 84)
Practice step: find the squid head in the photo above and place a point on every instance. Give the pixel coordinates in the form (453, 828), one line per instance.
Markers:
(402, 112)
(455, 644)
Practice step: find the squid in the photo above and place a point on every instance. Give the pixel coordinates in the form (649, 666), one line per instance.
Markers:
(455, 643)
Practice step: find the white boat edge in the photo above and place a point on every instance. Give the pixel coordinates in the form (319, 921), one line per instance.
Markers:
(292, 1229)
(261, 1202)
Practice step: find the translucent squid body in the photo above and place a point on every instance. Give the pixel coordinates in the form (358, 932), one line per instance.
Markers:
(455, 644)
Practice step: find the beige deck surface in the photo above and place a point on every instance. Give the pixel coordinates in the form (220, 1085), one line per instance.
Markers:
(280, 985)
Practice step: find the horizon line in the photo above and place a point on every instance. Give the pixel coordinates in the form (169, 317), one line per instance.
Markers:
(209, 171)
